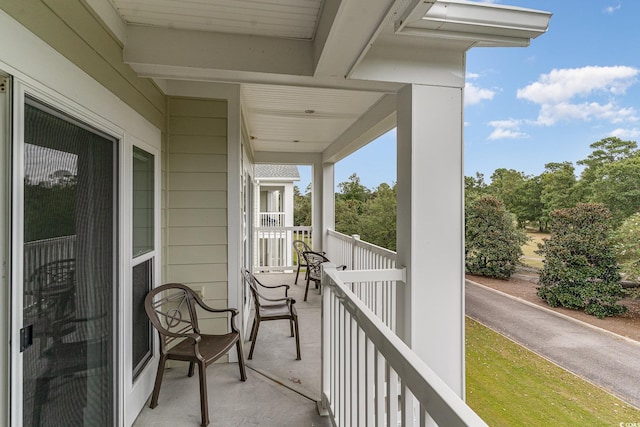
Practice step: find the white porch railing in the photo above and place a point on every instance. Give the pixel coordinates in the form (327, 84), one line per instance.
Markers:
(357, 254)
(271, 219)
(369, 375)
(274, 247)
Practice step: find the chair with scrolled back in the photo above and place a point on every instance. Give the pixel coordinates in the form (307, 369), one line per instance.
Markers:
(172, 310)
(267, 308)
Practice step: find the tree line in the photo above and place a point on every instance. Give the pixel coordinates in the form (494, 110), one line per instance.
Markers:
(370, 213)
(593, 220)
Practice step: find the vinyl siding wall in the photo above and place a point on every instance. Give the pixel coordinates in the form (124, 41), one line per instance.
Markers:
(197, 201)
(71, 28)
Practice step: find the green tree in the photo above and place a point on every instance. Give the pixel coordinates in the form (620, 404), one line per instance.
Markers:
(617, 185)
(505, 184)
(353, 190)
(580, 269)
(493, 243)
(379, 220)
(348, 216)
(606, 151)
(474, 187)
(528, 206)
(301, 207)
(557, 181)
(626, 247)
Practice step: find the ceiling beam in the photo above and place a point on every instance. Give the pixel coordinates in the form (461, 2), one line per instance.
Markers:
(344, 31)
(217, 51)
(379, 119)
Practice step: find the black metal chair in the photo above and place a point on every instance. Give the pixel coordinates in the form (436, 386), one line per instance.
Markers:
(271, 309)
(314, 261)
(174, 317)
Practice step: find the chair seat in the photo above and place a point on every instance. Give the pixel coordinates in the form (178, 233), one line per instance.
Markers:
(211, 347)
(277, 311)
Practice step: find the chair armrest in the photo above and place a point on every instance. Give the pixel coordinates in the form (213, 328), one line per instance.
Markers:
(277, 299)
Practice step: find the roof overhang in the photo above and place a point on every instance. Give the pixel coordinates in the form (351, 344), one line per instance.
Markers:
(486, 25)
(363, 51)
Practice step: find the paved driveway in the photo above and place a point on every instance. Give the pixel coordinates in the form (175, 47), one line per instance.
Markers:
(598, 356)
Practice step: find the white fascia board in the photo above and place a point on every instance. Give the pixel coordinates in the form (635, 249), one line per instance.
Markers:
(111, 18)
(486, 24)
(379, 119)
(220, 51)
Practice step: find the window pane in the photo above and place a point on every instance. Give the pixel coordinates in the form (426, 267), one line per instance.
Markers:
(141, 336)
(142, 202)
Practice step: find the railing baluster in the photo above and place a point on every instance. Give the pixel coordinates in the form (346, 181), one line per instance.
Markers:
(378, 380)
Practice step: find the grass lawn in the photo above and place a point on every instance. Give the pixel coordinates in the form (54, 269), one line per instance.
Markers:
(531, 258)
(508, 385)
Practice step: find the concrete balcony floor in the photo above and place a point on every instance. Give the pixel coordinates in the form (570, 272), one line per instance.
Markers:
(280, 391)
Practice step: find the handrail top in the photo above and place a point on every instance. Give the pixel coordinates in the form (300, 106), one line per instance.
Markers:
(447, 408)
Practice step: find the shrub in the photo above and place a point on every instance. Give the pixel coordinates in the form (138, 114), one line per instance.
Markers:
(627, 249)
(580, 269)
(493, 243)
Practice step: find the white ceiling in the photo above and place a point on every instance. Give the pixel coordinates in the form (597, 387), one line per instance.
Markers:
(301, 119)
(313, 72)
(274, 18)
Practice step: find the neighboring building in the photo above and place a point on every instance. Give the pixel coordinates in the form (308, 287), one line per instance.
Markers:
(164, 108)
(274, 191)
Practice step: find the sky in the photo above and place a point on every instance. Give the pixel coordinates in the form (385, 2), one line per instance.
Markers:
(525, 107)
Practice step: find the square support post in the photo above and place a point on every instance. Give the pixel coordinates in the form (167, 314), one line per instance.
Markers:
(430, 227)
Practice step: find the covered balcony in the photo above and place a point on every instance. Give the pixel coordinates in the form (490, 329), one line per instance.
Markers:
(354, 371)
(204, 92)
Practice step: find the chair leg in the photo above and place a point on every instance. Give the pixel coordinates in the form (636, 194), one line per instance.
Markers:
(253, 328)
(158, 383)
(291, 326)
(191, 369)
(253, 341)
(295, 322)
(306, 290)
(297, 272)
(204, 403)
(243, 372)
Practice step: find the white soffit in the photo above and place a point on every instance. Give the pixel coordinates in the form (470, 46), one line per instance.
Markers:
(274, 18)
(483, 24)
(300, 119)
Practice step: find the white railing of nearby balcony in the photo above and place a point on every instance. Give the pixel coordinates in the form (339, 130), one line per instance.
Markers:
(369, 375)
(43, 252)
(357, 254)
(274, 247)
(271, 219)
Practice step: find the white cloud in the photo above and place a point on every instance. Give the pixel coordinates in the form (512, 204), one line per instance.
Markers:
(472, 75)
(552, 113)
(626, 133)
(610, 10)
(555, 91)
(474, 94)
(563, 84)
(507, 129)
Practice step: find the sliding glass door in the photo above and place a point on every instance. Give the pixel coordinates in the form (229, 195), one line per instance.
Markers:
(69, 278)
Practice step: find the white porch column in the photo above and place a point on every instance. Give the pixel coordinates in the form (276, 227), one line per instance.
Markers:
(328, 203)
(317, 189)
(430, 225)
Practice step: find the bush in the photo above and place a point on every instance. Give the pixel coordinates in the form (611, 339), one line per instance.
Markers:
(580, 269)
(493, 243)
(627, 249)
